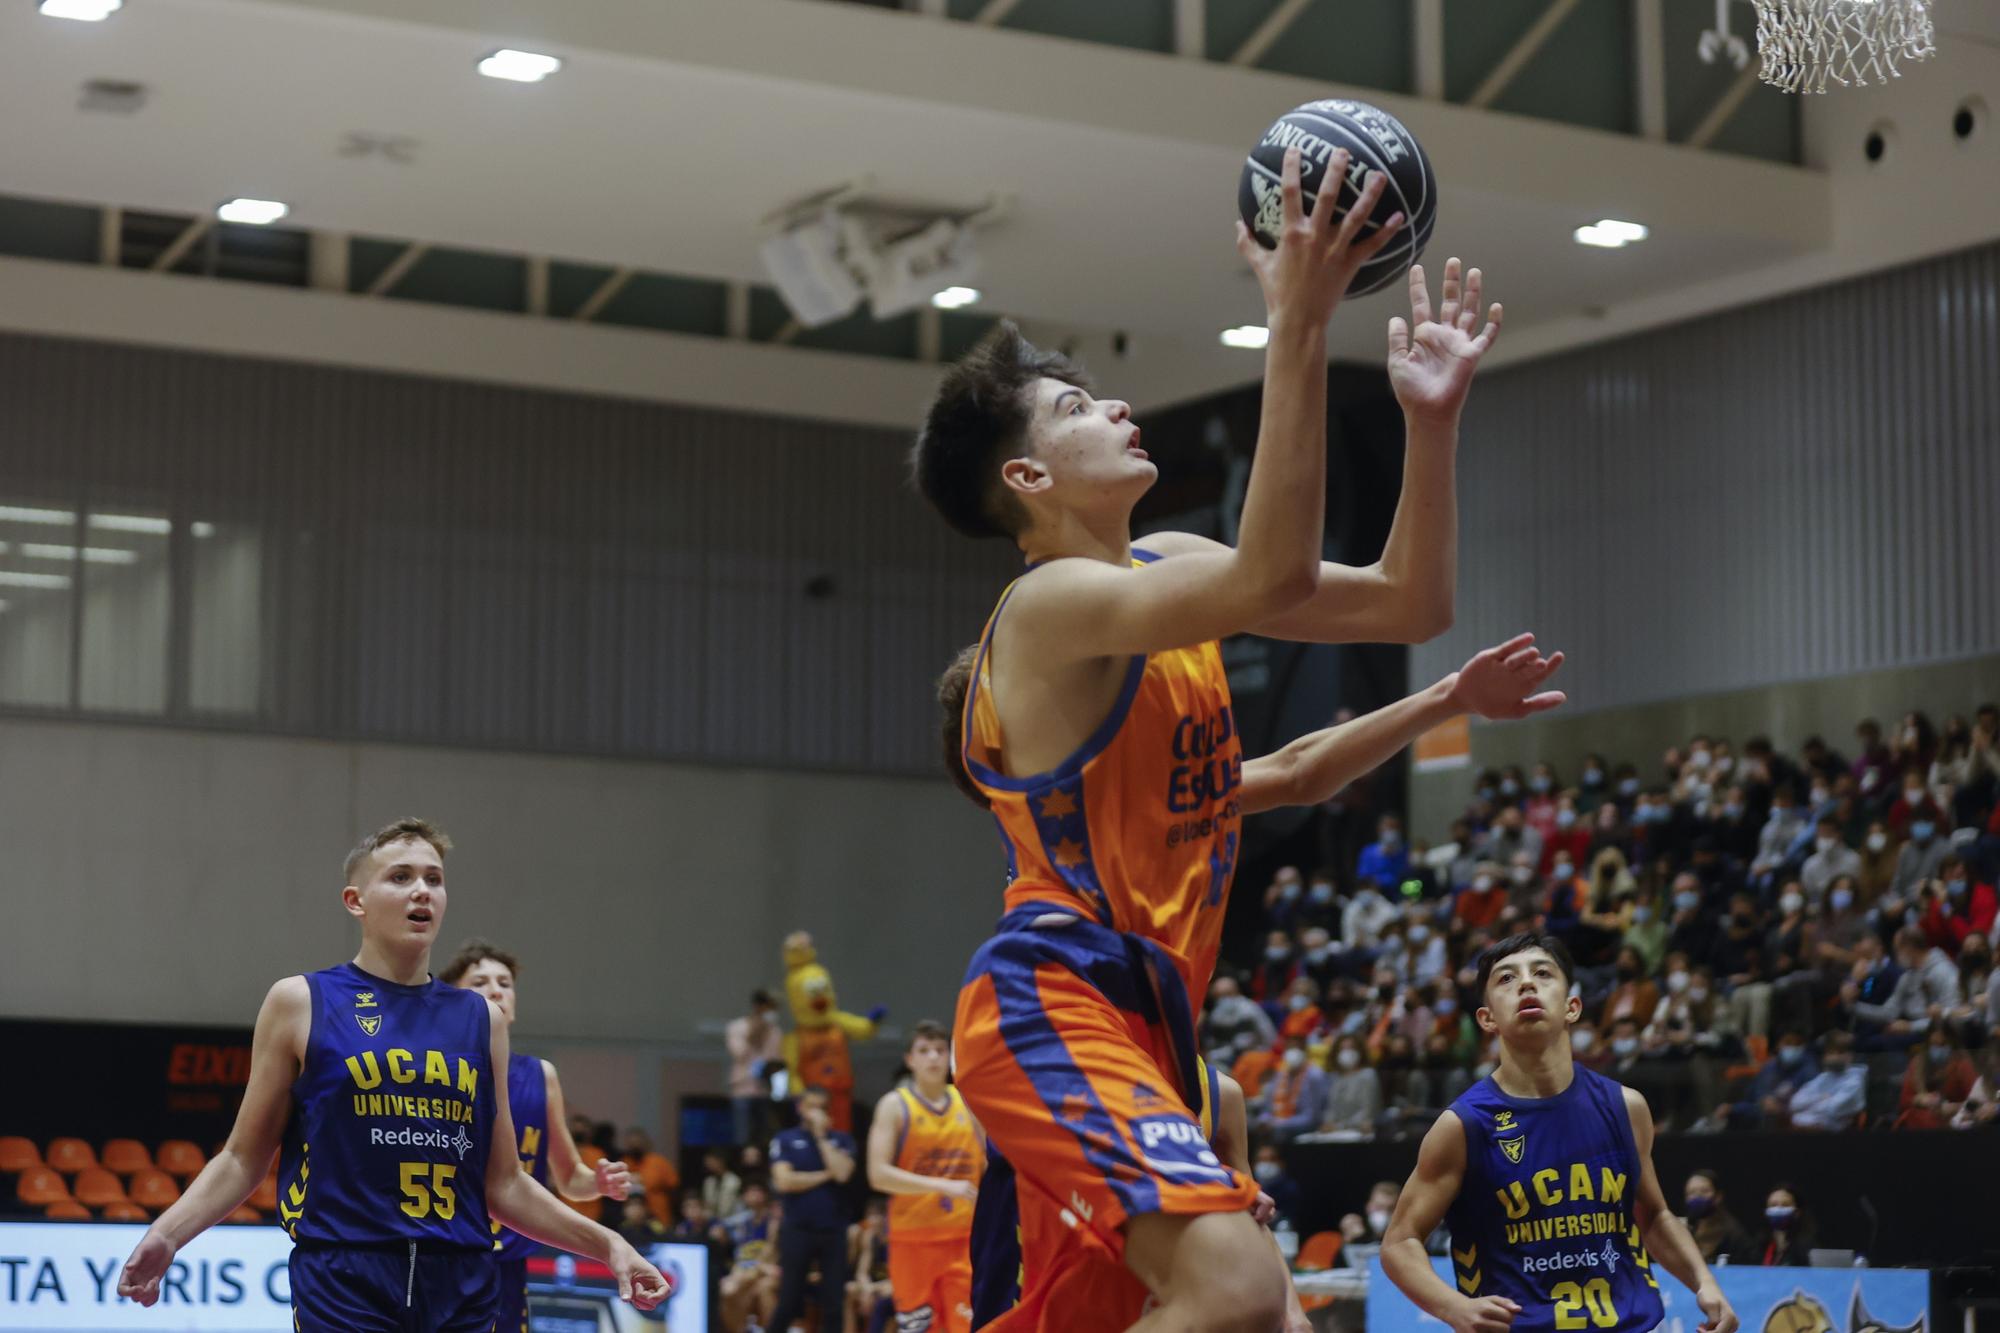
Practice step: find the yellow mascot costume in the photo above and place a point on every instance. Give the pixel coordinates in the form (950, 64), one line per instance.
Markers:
(816, 1051)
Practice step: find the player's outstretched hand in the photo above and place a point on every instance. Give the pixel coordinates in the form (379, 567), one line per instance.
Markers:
(1720, 1317)
(614, 1179)
(1502, 682)
(638, 1281)
(1317, 255)
(1488, 1314)
(141, 1279)
(1431, 359)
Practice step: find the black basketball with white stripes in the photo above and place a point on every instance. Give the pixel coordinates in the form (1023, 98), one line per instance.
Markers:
(1375, 141)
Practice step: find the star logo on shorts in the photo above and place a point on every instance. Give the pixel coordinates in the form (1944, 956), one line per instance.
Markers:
(1074, 1107)
(1143, 1095)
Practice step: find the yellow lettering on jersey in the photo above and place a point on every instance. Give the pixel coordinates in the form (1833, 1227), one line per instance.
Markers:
(1579, 1182)
(435, 1069)
(372, 1078)
(531, 1141)
(1614, 1186)
(468, 1077)
(401, 1065)
(1513, 1199)
(1543, 1179)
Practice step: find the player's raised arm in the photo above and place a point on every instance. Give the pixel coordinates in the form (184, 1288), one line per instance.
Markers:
(1419, 1209)
(275, 1049)
(608, 1180)
(1504, 681)
(1665, 1236)
(1087, 608)
(518, 1201)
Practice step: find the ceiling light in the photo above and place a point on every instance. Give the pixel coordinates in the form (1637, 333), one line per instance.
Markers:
(201, 529)
(132, 523)
(520, 66)
(96, 555)
(1251, 336)
(10, 579)
(58, 518)
(256, 212)
(87, 11)
(1611, 234)
(952, 298)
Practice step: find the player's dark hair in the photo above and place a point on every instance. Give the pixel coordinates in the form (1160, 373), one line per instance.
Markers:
(977, 420)
(926, 1031)
(762, 997)
(471, 954)
(1495, 954)
(407, 829)
(815, 1090)
(952, 687)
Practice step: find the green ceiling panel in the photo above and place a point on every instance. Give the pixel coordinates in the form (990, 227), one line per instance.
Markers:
(1146, 24)
(961, 333)
(1766, 125)
(860, 333)
(658, 301)
(1582, 75)
(446, 276)
(1362, 43)
(570, 285)
(38, 230)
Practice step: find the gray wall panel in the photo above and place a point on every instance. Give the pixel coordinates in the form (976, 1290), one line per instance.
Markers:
(443, 562)
(1799, 489)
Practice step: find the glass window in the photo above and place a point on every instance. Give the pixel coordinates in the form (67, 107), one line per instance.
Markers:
(37, 601)
(127, 597)
(226, 610)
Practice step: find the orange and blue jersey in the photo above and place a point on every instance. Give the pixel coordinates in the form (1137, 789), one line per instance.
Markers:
(1139, 828)
(938, 1141)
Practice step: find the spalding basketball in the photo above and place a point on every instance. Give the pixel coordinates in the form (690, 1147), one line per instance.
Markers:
(1375, 141)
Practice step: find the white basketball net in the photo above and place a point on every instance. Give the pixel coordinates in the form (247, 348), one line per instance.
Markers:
(1804, 43)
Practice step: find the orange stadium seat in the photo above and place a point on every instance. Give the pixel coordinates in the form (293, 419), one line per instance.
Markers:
(69, 1210)
(154, 1190)
(1319, 1250)
(265, 1197)
(124, 1156)
(180, 1159)
(18, 1154)
(70, 1156)
(126, 1212)
(39, 1186)
(97, 1188)
(245, 1214)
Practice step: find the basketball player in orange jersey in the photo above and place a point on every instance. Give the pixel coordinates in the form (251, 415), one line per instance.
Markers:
(1031, 1228)
(925, 1152)
(1098, 724)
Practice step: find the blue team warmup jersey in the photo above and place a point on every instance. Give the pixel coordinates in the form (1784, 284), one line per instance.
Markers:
(391, 1116)
(1544, 1216)
(528, 1102)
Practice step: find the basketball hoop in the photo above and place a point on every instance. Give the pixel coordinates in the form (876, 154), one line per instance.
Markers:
(1852, 42)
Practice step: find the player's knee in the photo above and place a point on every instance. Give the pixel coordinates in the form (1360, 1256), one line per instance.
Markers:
(1226, 1275)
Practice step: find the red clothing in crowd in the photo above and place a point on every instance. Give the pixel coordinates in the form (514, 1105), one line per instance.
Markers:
(1946, 930)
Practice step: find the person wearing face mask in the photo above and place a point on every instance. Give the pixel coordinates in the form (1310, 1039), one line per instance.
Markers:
(1781, 829)
(1426, 957)
(1354, 1093)
(1926, 988)
(1740, 961)
(1915, 803)
(1367, 915)
(1936, 1083)
(1480, 903)
(1318, 959)
(1830, 859)
(1919, 859)
(1873, 764)
(1274, 971)
(1320, 908)
(1368, 1226)
(1510, 838)
(1692, 931)
(1955, 908)
(1386, 860)
(1766, 1100)
(1276, 1181)
(1832, 1099)
(1789, 1232)
(1282, 898)
(1593, 785)
(1635, 996)
(1647, 933)
(1717, 1233)
(1879, 853)
(1234, 1023)
(1302, 1017)
(1294, 1099)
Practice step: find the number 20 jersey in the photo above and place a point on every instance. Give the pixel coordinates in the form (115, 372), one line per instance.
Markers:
(1545, 1214)
(391, 1117)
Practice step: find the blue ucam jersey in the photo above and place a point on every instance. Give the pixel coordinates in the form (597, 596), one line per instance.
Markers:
(528, 1103)
(391, 1117)
(1544, 1216)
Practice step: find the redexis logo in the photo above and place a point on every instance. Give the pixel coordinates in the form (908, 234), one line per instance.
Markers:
(1606, 1258)
(1173, 1145)
(458, 1140)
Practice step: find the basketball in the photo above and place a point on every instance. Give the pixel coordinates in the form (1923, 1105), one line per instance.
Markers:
(1375, 141)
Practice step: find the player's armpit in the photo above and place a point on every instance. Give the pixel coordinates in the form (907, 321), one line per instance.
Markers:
(1077, 609)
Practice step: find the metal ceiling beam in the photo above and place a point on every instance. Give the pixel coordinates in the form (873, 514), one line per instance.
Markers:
(1427, 23)
(1725, 106)
(398, 269)
(934, 9)
(174, 253)
(610, 287)
(327, 255)
(1649, 69)
(536, 285)
(736, 311)
(994, 11)
(1269, 31)
(1521, 53)
(1191, 28)
(110, 235)
(787, 331)
(930, 334)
